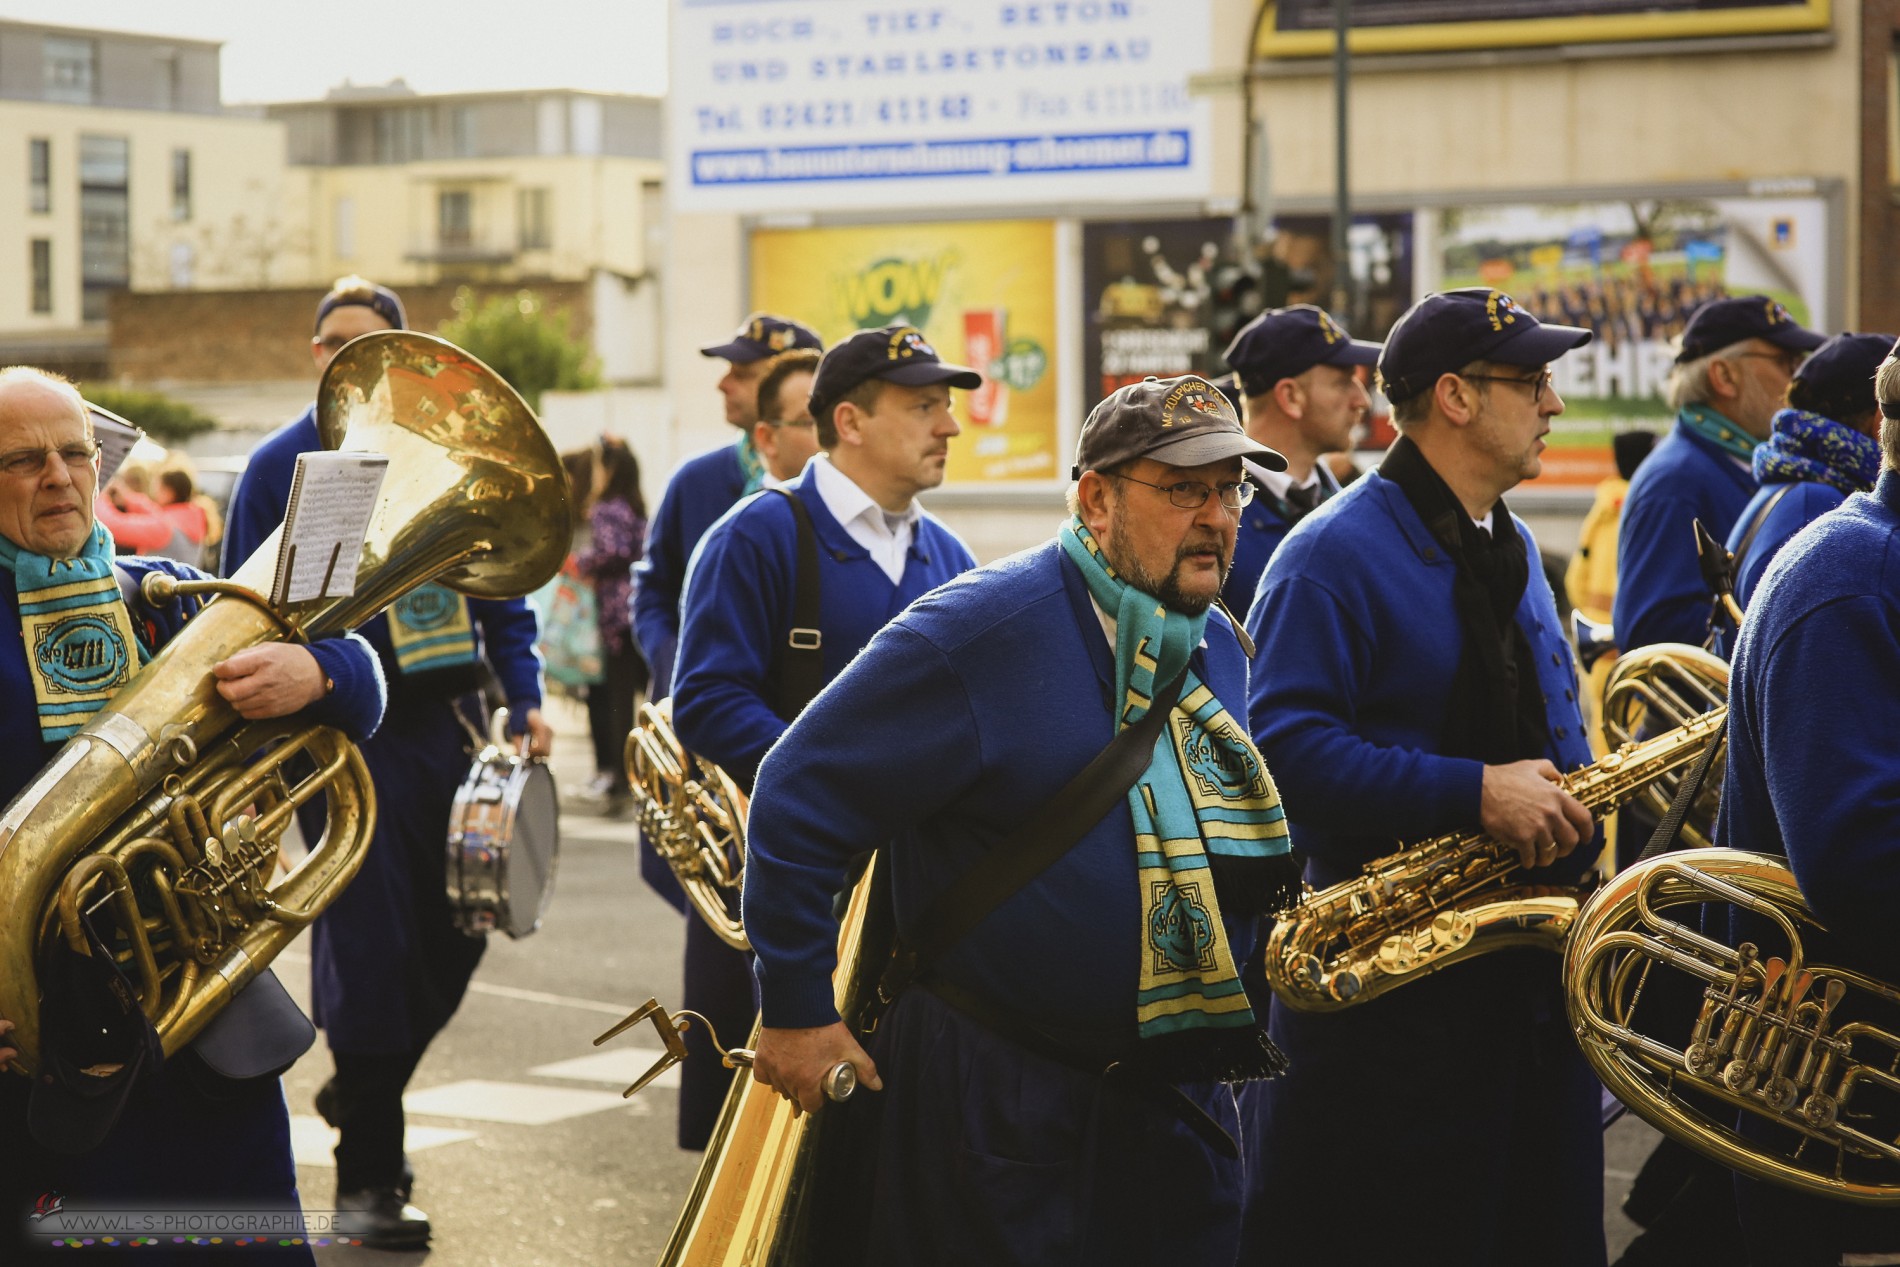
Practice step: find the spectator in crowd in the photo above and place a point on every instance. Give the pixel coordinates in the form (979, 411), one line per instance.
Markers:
(617, 525)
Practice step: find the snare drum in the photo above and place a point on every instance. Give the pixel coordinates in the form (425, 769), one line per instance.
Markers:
(504, 836)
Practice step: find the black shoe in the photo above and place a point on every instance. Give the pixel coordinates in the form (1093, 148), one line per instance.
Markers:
(381, 1219)
(326, 1109)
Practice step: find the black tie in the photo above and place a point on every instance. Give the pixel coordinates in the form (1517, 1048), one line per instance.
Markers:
(1303, 499)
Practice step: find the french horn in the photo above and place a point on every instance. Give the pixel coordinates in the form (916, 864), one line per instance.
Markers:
(694, 815)
(1660, 688)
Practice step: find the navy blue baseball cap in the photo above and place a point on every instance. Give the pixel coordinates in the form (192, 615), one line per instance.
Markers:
(1287, 342)
(764, 335)
(1443, 333)
(1838, 380)
(360, 292)
(1722, 323)
(1184, 421)
(897, 354)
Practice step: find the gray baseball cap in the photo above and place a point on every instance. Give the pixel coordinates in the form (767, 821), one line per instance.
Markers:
(1183, 421)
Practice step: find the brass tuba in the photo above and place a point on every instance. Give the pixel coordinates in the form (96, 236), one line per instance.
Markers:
(1776, 1036)
(694, 815)
(1658, 688)
(157, 808)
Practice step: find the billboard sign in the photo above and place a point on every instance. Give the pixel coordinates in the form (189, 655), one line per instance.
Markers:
(1304, 28)
(806, 105)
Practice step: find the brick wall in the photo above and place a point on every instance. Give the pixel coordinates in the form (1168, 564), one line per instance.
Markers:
(229, 336)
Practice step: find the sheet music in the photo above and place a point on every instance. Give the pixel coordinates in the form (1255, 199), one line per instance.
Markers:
(116, 437)
(332, 497)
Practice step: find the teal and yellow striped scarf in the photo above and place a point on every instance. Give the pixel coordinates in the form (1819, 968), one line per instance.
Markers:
(429, 628)
(1209, 828)
(1717, 430)
(80, 645)
(751, 464)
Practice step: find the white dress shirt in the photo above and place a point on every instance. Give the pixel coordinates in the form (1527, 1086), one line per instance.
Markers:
(886, 537)
(1278, 482)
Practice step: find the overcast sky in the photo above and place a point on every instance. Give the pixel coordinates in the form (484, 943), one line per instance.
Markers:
(280, 50)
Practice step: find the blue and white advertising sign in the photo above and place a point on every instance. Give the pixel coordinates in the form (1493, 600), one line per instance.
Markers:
(809, 105)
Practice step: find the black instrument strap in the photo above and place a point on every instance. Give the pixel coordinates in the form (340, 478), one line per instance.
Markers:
(1748, 538)
(1670, 827)
(801, 661)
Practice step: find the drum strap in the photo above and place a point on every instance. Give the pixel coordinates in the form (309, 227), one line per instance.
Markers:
(800, 663)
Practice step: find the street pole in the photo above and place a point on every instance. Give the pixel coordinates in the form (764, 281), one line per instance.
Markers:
(1342, 194)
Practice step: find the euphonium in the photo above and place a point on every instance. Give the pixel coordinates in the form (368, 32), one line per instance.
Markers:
(1450, 898)
(157, 808)
(1775, 1036)
(1657, 688)
(694, 815)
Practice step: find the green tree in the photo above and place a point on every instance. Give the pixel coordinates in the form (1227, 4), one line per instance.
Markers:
(523, 342)
(165, 419)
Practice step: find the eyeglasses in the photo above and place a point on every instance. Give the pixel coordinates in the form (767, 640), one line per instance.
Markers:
(25, 464)
(1192, 494)
(1790, 362)
(1537, 385)
(795, 422)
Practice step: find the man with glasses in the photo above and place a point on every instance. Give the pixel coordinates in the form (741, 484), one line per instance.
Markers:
(786, 435)
(1736, 361)
(1410, 679)
(388, 964)
(105, 1124)
(884, 419)
(1004, 1135)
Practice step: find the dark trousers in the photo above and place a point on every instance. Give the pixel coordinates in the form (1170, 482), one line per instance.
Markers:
(610, 708)
(368, 1110)
(719, 986)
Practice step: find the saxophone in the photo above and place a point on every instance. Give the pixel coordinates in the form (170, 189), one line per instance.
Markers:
(1452, 897)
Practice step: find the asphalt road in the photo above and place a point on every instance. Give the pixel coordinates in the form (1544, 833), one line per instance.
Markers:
(572, 1174)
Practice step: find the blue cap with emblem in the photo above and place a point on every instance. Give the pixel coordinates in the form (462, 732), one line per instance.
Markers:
(762, 335)
(1287, 342)
(1723, 322)
(896, 354)
(1443, 333)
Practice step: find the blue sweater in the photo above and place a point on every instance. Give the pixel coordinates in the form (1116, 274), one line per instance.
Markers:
(1263, 526)
(737, 615)
(700, 491)
(963, 716)
(355, 707)
(1805, 502)
(1660, 595)
(1357, 643)
(1814, 718)
(505, 629)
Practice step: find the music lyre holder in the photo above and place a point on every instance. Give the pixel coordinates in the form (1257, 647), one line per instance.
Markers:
(838, 1083)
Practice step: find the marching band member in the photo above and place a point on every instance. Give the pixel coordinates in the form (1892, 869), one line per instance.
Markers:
(91, 1131)
(1821, 786)
(786, 435)
(1410, 679)
(1737, 358)
(1000, 1138)
(388, 964)
(882, 398)
(1824, 446)
(1302, 399)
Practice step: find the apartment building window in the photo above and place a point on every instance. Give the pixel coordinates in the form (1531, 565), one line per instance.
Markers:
(42, 269)
(39, 175)
(69, 69)
(536, 234)
(345, 227)
(105, 241)
(455, 220)
(181, 184)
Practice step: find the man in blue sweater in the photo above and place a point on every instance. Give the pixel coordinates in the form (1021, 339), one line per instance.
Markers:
(388, 964)
(1825, 446)
(1296, 368)
(1737, 358)
(1000, 1138)
(882, 401)
(91, 1131)
(1813, 730)
(1410, 679)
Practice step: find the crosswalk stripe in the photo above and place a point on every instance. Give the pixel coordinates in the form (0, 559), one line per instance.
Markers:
(516, 1103)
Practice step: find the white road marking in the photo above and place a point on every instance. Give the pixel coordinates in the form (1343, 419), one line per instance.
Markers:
(518, 1103)
(618, 1067)
(508, 992)
(313, 1140)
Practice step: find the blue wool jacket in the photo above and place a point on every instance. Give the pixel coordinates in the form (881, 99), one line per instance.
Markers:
(1814, 719)
(505, 629)
(1263, 526)
(1660, 595)
(699, 492)
(1805, 502)
(737, 614)
(962, 717)
(1357, 644)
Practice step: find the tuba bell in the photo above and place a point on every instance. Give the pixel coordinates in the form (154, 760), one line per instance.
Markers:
(694, 815)
(1659, 688)
(160, 809)
(1777, 1037)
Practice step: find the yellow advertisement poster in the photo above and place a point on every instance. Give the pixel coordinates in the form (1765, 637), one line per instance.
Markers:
(984, 294)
